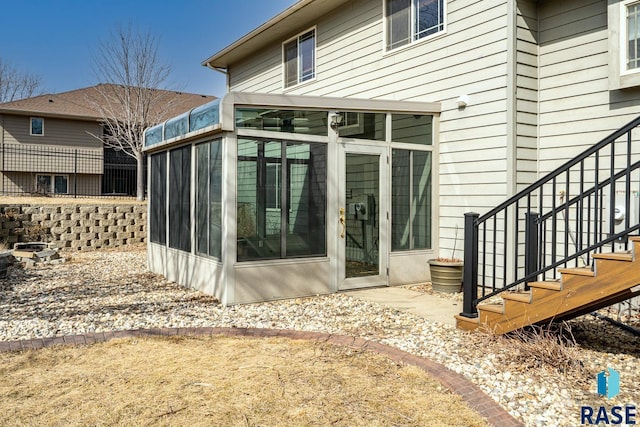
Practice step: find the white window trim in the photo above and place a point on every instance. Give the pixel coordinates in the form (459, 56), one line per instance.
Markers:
(315, 59)
(412, 29)
(619, 76)
(31, 126)
(624, 54)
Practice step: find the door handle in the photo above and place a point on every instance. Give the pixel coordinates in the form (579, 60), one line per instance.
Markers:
(342, 223)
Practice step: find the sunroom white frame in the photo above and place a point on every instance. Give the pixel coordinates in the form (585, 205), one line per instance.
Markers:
(249, 281)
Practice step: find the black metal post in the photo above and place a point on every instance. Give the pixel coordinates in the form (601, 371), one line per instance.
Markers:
(530, 244)
(470, 276)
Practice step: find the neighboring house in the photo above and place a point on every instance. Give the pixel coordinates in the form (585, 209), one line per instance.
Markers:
(402, 116)
(47, 144)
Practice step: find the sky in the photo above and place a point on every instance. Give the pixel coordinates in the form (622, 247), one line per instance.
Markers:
(55, 39)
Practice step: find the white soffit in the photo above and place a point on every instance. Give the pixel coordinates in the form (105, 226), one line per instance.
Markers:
(278, 29)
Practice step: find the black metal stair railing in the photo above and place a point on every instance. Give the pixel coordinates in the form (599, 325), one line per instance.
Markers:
(583, 207)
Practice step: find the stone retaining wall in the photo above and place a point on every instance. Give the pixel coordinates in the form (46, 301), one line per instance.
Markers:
(76, 227)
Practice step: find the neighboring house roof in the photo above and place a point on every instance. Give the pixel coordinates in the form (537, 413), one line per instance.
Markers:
(80, 103)
(276, 30)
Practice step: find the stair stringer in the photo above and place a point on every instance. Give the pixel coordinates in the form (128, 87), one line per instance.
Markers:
(614, 278)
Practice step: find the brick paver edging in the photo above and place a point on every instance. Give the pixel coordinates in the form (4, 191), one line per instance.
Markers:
(473, 396)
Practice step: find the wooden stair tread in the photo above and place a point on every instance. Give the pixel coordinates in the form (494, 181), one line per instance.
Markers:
(551, 285)
(578, 271)
(523, 296)
(615, 256)
(493, 308)
(613, 277)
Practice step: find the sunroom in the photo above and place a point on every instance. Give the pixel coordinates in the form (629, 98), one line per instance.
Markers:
(257, 197)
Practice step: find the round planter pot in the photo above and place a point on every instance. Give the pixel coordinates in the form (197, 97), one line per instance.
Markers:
(446, 276)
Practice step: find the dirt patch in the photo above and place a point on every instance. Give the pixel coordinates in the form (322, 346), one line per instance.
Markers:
(220, 381)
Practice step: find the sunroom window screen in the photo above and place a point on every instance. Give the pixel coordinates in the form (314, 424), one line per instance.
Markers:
(633, 36)
(411, 200)
(158, 200)
(281, 199)
(179, 198)
(209, 199)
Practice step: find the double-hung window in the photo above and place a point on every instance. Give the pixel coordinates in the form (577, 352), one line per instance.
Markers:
(624, 44)
(411, 20)
(633, 36)
(299, 56)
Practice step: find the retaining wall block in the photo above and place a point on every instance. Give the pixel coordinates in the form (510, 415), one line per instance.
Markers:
(32, 210)
(124, 208)
(23, 217)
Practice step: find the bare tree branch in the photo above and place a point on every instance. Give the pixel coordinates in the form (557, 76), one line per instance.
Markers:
(128, 100)
(15, 84)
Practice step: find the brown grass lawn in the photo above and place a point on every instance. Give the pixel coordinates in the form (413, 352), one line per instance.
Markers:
(222, 381)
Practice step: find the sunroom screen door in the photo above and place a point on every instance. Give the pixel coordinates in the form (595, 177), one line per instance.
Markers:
(363, 217)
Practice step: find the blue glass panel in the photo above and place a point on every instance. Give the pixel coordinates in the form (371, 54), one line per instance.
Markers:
(177, 126)
(205, 115)
(153, 135)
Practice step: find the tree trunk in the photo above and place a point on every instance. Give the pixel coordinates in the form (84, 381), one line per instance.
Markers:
(139, 176)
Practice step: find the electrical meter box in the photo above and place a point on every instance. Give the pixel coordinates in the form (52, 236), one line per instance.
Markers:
(361, 207)
(621, 212)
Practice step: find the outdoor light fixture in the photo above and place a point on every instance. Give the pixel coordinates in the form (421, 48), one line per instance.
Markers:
(463, 101)
(335, 118)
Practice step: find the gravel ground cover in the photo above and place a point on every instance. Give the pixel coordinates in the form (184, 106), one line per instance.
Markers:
(111, 290)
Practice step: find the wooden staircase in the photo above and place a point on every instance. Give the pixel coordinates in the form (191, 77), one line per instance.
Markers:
(615, 277)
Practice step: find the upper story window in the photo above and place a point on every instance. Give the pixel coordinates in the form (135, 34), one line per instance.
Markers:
(411, 20)
(299, 56)
(624, 44)
(37, 126)
(633, 36)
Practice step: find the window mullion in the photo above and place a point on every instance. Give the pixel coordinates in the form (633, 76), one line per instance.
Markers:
(412, 212)
(413, 24)
(208, 197)
(284, 199)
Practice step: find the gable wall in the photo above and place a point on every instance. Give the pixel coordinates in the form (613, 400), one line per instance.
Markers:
(65, 147)
(469, 59)
(59, 132)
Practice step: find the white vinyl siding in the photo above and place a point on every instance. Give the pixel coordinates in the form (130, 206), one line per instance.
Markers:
(526, 93)
(577, 108)
(469, 59)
